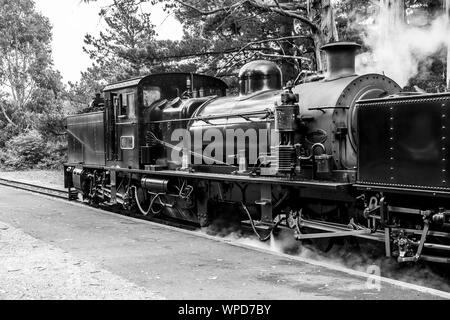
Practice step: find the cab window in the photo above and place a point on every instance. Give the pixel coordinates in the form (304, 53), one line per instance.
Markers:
(120, 106)
(131, 112)
(151, 94)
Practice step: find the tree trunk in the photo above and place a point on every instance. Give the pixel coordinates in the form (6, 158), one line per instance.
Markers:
(287, 29)
(328, 31)
(392, 15)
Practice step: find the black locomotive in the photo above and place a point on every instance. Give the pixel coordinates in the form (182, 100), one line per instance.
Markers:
(343, 155)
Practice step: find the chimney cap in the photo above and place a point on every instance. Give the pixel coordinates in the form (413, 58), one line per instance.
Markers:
(340, 45)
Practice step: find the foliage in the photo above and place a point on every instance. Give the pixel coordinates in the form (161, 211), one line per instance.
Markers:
(25, 150)
(248, 30)
(122, 48)
(30, 89)
(92, 81)
(32, 150)
(25, 60)
(220, 36)
(55, 157)
(431, 74)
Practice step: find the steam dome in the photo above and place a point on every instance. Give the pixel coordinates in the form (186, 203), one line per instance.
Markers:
(259, 75)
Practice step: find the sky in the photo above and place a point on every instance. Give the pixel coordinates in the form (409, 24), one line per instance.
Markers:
(73, 19)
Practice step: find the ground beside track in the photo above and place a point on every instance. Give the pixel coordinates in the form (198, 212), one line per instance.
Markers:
(44, 178)
(34, 269)
(48, 246)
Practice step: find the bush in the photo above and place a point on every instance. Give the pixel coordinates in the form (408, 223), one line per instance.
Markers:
(4, 156)
(7, 132)
(57, 155)
(24, 151)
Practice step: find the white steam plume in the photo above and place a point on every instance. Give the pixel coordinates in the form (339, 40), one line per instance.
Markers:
(397, 47)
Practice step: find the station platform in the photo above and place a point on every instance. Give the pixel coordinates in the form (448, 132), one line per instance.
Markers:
(54, 249)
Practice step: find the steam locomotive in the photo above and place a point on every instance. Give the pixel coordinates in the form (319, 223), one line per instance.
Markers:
(342, 155)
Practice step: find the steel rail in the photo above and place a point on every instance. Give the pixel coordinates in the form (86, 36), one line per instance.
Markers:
(64, 195)
(48, 191)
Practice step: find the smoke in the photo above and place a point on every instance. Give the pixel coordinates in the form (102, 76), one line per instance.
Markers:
(351, 253)
(398, 47)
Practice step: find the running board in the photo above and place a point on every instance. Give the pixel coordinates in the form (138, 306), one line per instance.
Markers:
(434, 259)
(328, 230)
(335, 234)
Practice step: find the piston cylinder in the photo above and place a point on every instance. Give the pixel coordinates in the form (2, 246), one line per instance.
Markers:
(155, 185)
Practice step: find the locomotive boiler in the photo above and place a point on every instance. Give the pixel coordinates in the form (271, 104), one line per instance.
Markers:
(339, 155)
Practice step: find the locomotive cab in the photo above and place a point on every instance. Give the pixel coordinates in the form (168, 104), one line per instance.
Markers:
(130, 107)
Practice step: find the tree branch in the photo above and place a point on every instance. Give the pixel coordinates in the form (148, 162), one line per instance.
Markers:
(287, 10)
(283, 56)
(210, 12)
(258, 42)
(6, 115)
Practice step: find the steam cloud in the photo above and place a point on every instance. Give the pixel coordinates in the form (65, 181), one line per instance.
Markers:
(396, 48)
(347, 257)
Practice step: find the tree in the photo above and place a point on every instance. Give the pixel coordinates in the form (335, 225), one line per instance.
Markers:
(28, 83)
(123, 48)
(293, 30)
(221, 35)
(228, 33)
(30, 89)
(92, 81)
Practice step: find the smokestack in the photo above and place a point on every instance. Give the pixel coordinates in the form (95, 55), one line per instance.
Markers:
(340, 59)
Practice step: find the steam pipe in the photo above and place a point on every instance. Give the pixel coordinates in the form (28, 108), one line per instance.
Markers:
(313, 148)
(252, 223)
(320, 145)
(152, 202)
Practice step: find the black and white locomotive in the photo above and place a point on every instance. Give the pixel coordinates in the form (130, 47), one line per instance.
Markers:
(339, 155)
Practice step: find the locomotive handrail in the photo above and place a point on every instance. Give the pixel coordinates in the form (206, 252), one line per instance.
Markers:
(327, 107)
(126, 123)
(233, 115)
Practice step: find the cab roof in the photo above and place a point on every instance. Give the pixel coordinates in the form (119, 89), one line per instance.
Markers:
(138, 80)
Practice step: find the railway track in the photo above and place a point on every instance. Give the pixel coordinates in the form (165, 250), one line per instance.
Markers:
(53, 192)
(63, 194)
(194, 230)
